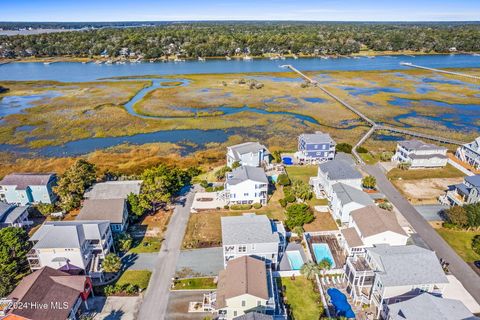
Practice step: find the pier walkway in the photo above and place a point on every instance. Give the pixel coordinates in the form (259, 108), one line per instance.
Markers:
(408, 64)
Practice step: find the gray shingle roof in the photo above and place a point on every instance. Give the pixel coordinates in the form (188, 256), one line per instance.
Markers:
(103, 209)
(339, 170)
(23, 180)
(407, 265)
(245, 173)
(474, 180)
(113, 189)
(316, 138)
(246, 147)
(347, 194)
(11, 215)
(247, 229)
(429, 307)
(254, 316)
(419, 145)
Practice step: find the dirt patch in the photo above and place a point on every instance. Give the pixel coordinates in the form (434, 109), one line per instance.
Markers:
(323, 222)
(425, 191)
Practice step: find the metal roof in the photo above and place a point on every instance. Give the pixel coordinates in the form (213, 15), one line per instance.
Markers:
(339, 170)
(347, 194)
(245, 173)
(113, 189)
(248, 228)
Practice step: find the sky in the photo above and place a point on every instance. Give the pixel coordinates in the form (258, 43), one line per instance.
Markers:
(182, 10)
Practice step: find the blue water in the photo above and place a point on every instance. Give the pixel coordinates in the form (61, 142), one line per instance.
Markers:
(295, 259)
(356, 91)
(322, 251)
(314, 100)
(16, 104)
(76, 71)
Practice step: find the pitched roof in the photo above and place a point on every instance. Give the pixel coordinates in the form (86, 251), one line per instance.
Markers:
(23, 180)
(419, 145)
(246, 147)
(45, 286)
(11, 214)
(254, 316)
(248, 228)
(339, 169)
(427, 156)
(103, 209)
(429, 307)
(347, 194)
(352, 237)
(113, 189)
(372, 220)
(244, 275)
(316, 138)
(473, 180)
(245, 173)
(407, 265)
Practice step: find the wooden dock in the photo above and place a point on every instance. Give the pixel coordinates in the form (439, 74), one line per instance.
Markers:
(408, 64)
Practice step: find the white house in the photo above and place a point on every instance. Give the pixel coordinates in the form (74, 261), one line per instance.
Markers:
(245, 286)
(332, 172)
(427, 307)
(246, 185)
(387, 274)
(470, 153)
(345, 199)
(370, 226)
(252, 235)
(13, 216)
(113, 210)
(420, 154)
(71, 245)
(251, 154)
(25, 188)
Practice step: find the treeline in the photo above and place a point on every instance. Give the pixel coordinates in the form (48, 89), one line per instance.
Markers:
(219, 39)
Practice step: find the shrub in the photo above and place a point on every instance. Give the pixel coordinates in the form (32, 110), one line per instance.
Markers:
(290, 198)
(343, 147)
(241, 207)
(386, 206)
(283, 180)
(457, 215)
(226, 207)
(220, 174)
(369, 182)
(123, 242)
(298, 214)
(476, 244)
(362, 150)
(257, 205)
(45, 209)
(386, 156)
(283, 202)
(235, 165)
(204, 184)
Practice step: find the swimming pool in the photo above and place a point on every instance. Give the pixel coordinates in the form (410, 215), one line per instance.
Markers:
(295, 259)
(322, 251)
(287, 160)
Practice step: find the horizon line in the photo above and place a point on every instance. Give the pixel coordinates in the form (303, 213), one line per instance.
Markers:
(246, 20)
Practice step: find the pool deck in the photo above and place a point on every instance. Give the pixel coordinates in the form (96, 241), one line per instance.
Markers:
(335, 248)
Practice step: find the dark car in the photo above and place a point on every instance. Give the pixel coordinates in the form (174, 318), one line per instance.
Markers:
(477, 264)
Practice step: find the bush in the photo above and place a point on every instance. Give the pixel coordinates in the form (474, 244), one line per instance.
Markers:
(257, 205)
(476, 244)
(343, 147)
(290, 198)
(369, 182)
(123, 242)
(362, 150)
(386, 206)
(123, 289)
(283, 202)
(298, 215)
(45, 209)
(226, 207)
(220, 174)
(204, 184)
(241, 207)
(386, 156)
(283, 180)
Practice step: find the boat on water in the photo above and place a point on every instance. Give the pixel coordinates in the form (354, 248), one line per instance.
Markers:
(109, 62)
(228, 58)
(201, 59)
(295, 57)
(282, 57)
(247, 58)
(98, 62)
(178, 60)
(47, 63)
(274, 58)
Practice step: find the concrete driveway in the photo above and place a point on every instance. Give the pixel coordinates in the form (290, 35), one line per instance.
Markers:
(140, 261)
(115, 308)
(200, 262)
(178, 305)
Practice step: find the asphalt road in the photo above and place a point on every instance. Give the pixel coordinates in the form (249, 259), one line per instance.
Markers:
(156, 297)
(464, 273)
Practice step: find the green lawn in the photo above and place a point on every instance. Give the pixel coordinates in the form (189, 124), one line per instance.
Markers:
(368, 158)
(146, 245)
(304, 302)
(461, 242)
(416, 174)
(194, 283)
(301, 172)
(135, 277)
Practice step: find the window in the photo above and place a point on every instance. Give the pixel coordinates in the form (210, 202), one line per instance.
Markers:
(253, 246)
(245, 194)
(243, 303)
(234, 313)
(242, 248)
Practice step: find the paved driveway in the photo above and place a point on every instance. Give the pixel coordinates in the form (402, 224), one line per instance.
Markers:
(155, 302)
(115, 308)
(178, 305)
(458, 267)
(431, 212)
(200, 262)
(140, 261)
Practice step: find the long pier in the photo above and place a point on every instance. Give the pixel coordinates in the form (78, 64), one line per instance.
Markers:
(303, 75)
(408, 64)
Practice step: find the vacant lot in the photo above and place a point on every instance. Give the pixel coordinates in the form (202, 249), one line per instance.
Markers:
(418, 174)
(302, 172)
(302, 298)
(148, 234)
(461, 242)
(323, 222)
(135, 277)
(194, 284)
(425, 191)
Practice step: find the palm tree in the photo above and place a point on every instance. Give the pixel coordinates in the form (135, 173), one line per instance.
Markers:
(369, 182)
(325, 265)
(302, 190)
(310, 270)
(112, 263)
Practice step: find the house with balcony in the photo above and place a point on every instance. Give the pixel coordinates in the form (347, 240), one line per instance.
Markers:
(113, 210)
(332, 172)
(387, 274)
(251, 154)
(345, 199)
(47, 294)
(470, 153)
(75, 247)
(27, 188)
(420, 154)
(246, 185)
(371, 226)
(245, 286)
(314, 148)
(253, 235)
(467, 192)
(12, 215)
(427, 307)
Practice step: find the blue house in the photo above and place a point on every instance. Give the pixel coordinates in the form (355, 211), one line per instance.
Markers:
(26, 188)
(314, 148)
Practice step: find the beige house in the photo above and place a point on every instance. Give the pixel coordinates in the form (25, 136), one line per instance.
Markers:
(244, 286)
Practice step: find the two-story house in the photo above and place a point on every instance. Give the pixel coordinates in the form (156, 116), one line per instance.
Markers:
(315, 148)
(252, 235)
(344, 199)
(251, 154)
(113, 189)
(12, 215)
(467, 192)
(420, 154)
(387, 274)
(25, 188)
(470, 153)
(246, 185)
(245, 286)
(332, 172)
(113, 210)
(370, 226)
(71, 246)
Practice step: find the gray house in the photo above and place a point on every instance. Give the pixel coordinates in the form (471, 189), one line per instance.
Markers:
(252, 235)
(25, 188)
(315, 148)
(470, 153)
(251, 154)
(113, 210)
(13, 216)
(464, 193)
